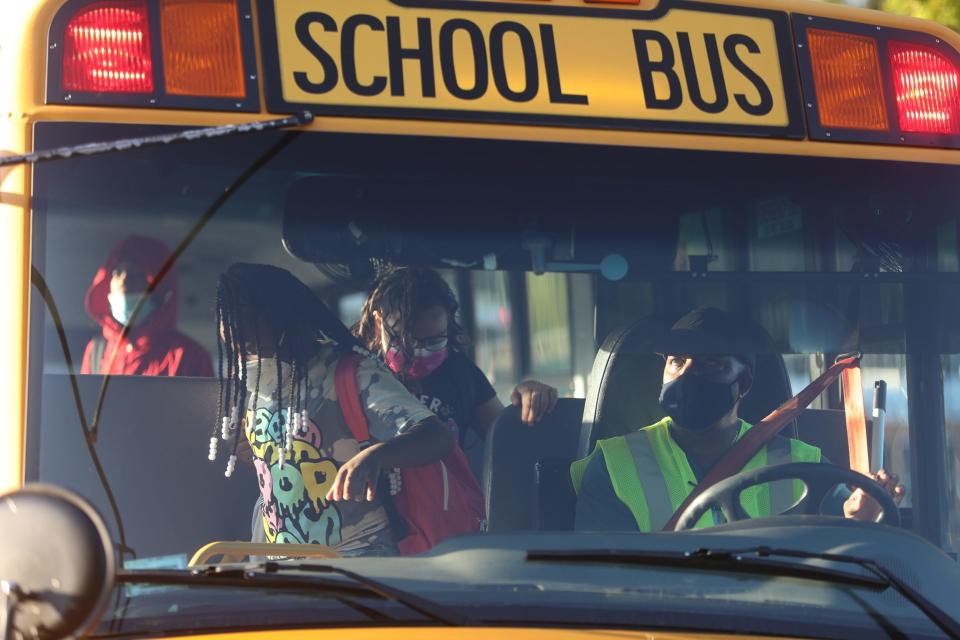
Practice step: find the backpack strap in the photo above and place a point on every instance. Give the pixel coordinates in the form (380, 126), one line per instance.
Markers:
(348, 395)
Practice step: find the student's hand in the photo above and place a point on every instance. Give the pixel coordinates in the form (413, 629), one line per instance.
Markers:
(535, 400)
(357, 478)
(860, 506)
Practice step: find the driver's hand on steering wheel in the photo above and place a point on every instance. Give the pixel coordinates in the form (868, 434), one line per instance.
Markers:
(860, 506)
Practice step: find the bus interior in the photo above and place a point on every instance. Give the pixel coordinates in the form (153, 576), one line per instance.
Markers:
(565, 259)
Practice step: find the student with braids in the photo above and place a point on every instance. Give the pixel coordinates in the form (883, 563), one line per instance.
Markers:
(410, 318)
(279, 346)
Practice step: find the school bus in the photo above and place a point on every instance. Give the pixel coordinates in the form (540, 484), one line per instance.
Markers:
(581, 173)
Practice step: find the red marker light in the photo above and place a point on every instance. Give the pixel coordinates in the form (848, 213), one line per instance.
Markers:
(106, 48)
(927, 88)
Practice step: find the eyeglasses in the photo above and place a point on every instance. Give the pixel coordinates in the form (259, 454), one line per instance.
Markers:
(429, 343)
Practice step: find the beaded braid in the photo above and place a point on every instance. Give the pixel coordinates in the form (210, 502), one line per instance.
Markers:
(212, 455)
(290, 421)
(300, 326)
(279, 394)
(236, 417)
(226, 383)
(256, 388)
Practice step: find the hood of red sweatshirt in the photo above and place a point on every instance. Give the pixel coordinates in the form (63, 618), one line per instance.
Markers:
(149, 254)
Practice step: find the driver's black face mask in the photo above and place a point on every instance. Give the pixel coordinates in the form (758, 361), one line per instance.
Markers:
(695, 403)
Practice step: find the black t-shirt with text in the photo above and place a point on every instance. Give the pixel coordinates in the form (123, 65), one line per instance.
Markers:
(453, 392)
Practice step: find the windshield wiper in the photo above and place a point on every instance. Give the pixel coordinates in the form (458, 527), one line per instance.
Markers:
(190, 135)
(338, 589)
(272, 574)
(755, 560)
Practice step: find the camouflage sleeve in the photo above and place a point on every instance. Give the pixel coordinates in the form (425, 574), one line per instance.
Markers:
(389, 407)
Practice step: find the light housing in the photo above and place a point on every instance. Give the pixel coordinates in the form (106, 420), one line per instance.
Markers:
(179, 54)
(869, 83)
(106, 48)
(927, 88)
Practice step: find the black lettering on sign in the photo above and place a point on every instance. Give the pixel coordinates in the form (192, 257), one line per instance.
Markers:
(730, 45)
(552, 69)
(531, 83)
(348, 56)
(664, 66)
(330, 75)
(422, 53)
(721, 100)
(448, 67)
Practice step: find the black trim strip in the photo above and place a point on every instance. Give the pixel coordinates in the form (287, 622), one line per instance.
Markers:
(55, 94)
(794, 129)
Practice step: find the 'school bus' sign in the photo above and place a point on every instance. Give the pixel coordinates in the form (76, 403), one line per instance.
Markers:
(685, 67)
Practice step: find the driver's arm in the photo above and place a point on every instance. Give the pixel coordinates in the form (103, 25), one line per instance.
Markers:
(845, 503)
(598, 507)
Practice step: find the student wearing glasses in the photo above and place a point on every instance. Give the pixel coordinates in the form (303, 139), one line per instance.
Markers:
(410, 319)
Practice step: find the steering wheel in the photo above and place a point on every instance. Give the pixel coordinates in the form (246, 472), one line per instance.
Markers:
(819, 479)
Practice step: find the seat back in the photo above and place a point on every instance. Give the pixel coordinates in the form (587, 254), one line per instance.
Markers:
(526, 477)
(627, 375)
(153, 446)
(623, 394)
(826, 429)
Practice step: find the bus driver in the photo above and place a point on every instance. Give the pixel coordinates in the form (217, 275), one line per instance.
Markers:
(703, 385)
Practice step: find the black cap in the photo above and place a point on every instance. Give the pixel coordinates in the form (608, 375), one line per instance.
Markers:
(710, 331)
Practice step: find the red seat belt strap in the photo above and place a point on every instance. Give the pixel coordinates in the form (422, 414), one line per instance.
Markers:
(756, 438)
(856, 420)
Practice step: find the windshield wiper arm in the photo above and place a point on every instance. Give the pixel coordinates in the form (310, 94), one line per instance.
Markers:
(423, 606)
(754, 560)
(947, 623)
(338, 589)
(202, 133)
(710, 560)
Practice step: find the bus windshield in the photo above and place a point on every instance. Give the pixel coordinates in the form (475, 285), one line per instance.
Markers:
(549, 250)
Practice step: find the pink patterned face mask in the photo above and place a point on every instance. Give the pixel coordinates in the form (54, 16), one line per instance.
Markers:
(422, 364)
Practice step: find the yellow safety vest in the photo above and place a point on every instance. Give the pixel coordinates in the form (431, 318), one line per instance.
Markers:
(651, 475)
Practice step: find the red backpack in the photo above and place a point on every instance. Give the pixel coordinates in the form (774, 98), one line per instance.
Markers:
(437, 500)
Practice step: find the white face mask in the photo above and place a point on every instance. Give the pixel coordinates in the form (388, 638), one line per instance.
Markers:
(122, 305)
(268, 375)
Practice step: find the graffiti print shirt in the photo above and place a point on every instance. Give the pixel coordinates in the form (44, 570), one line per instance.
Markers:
(295, 509)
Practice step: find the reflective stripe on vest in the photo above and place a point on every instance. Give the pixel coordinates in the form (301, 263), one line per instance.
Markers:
(650, 473)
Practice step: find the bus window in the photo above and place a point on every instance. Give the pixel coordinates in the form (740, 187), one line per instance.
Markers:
(548, 321)
(776, 232)
(349, 307)
(493, 334)
(951, 407)
(948, 251)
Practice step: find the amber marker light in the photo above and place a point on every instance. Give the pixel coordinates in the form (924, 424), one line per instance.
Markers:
(847, 80)
(202, 54)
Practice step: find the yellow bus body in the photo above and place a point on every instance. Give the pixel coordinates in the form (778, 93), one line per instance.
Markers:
(433, 633)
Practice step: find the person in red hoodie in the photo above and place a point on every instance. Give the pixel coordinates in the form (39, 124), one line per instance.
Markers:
(153, 347)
